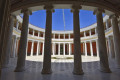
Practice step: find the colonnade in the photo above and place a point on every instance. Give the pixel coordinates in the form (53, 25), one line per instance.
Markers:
(101, 42)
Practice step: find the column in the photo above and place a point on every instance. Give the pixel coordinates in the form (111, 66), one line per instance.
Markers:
(4, 28)
(97, 48)
(23, 42)
(53, 48)
(43, 49)
(8, 43)
(116, 38)
(111, 47)
(17, 24)
(38, 48)
(64, 49)
(91, 48)
(77, 47)
(14, 46)
(107, 23)
(59, 49)
(104, 66)
(69, 49)
(16, 50)
(90, 32)
(84, 34)
(85, 48)
(59, 36)
(32, 47)
(38, 33)
(48, 39)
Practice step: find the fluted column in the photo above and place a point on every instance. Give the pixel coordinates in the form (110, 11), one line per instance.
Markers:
(91, 48)
(48, 38)
(69, 49)
(116, 37)
(53, 49)
(59, 49)
(38, 49)
(7, 53)
(23, 42)
(43, 49)
(32, 47)
(77, 47)
(14, 46)
(64, 49)
(111, 47)
(104, 66)
(85, 49)
(97, 48)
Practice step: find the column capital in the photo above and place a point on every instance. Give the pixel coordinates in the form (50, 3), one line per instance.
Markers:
(49, 7)
(76, 7)
(98, 10)
(113, 16)
(27, 11)
(12, 16)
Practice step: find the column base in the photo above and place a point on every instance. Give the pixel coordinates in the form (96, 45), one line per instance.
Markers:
(46, 71)
(105, 70)
(77, 72)
(19, 70)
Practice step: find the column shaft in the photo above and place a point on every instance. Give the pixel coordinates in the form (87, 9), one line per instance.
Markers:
(91, 48)
(23, 42)
(116, 37)
(77, 47)
(32, 47)
(38, 47)
(85, 49)
(48, 38)
(104, 66)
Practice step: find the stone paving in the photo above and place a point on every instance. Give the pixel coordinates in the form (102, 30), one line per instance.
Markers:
(61, 70)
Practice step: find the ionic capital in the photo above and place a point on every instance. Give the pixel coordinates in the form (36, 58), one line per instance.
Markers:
(76, 7)
(49, 7)
(98, 10)
(27, 11)
(113, 16)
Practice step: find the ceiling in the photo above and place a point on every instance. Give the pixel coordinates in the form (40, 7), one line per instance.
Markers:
(112, 5)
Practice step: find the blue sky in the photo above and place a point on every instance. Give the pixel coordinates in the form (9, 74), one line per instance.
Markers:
(38, 18)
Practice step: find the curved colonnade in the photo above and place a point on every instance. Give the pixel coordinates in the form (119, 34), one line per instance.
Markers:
(60, 39)
(89, 34)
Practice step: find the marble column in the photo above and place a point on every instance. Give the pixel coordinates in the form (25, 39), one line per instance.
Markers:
(116, 38)
(77, 47)
(48, 39)
(69, 49)
(59, 49)
(91, 48)
(17, 24)
(5, 61)
(14, 46)
(32, 47)
(23, 41)
(64, 49)
(16, 49)
(53, 48)
(104, 66)
(43, 49)
(38, 48)
(111, 47)
(4, 27)
(97, 48)
(85, 49)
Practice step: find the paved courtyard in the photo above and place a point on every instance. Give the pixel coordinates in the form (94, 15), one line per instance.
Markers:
(62, 70)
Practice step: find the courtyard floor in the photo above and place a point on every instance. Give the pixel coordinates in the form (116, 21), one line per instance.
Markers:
(61, 70)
